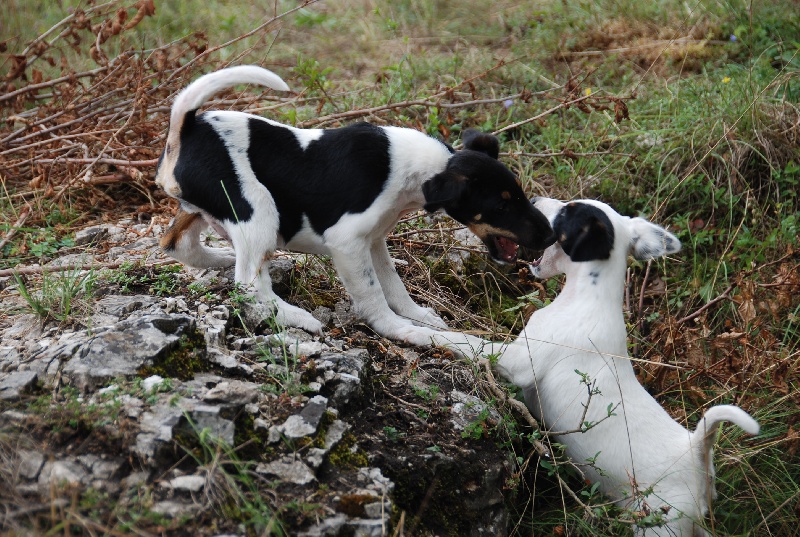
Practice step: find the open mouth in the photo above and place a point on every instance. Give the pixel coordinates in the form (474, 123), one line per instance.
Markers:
(503, 249)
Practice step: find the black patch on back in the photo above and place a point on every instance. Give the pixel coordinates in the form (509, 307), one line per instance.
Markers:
(341, 172)
(205, 172)
(584, 232)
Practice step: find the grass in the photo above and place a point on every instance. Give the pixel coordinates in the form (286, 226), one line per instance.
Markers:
(710, 149)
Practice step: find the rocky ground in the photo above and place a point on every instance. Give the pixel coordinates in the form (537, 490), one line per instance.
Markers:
(170, 406)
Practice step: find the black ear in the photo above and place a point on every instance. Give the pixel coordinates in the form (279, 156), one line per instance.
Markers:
(479, 141)
(584, 232)
(443, 189)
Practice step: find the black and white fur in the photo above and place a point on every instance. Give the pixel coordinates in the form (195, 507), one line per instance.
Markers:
(583, 330)
(263, 186)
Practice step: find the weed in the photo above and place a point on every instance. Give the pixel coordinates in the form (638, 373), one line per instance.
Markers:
(62, 296)
(232, 488)
(392, 434)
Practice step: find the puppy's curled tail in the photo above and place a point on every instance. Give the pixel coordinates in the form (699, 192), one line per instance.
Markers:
(199, 91)
(708, 424)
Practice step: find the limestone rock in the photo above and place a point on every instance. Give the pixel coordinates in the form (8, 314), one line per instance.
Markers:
(15, 384)
(123, 350)
(288, 469)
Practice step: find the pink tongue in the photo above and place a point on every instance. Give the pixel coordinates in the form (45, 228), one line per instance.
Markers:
(507, 248)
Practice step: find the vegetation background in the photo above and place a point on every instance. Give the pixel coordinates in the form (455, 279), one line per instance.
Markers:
(684, 112)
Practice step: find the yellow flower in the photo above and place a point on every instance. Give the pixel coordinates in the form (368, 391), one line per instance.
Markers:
(587, 91)
(726, 80)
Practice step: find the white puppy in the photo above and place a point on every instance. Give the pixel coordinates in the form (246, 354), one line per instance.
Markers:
(577, 346)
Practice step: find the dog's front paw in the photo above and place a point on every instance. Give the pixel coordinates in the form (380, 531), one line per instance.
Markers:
(414, 335)
(288, 315)
(427, 317)
(432, 320)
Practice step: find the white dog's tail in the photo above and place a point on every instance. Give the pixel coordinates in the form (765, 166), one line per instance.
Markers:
(199, 91)
(708, 424)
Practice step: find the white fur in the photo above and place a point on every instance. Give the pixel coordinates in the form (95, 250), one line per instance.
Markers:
(639, 446)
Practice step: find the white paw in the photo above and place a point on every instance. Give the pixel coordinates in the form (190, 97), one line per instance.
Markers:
(415, 335)
(299, 318)
(431, 320)
(424, 317)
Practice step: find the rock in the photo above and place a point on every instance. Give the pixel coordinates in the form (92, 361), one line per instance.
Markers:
(335, 432)
(323, 315)
(60, 473)
(342, 374)
(467, 409)
(126, 348)
(235, 392)
(90, 235)
(9, 358)
(228, 360)
(297, 343)
(288, 469)
(214, 326)
(113, 308)
(210, 418)
(189, 483)
(30, 464)
(307, 422)
(330, 527)
(256, 316)
(70, 260)
(151, 382)
(15, 384)
(368, 527)
(343, 314)
(378, 509)
(174, 509)
(27, 327)
(280, 272)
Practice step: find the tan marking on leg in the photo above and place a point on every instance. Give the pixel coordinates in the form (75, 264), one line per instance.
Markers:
(174, 233)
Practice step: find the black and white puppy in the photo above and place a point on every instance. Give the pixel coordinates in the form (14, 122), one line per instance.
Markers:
(263, 186)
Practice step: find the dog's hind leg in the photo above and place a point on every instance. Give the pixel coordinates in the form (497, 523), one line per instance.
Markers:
(396, 293)
(182, 242)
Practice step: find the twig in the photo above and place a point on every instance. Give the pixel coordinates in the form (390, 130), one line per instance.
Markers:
(50, 83)
(708, 304)
(565, 104)
(21, 220)
(519, 406)
(654, 44)
(109, 161)
(413, 405)
(429, 102)
(566, 153)
(252, 32)
(42, 270)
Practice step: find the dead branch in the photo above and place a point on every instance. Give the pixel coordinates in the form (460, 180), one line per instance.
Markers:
(74, 268)
(19, 223)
